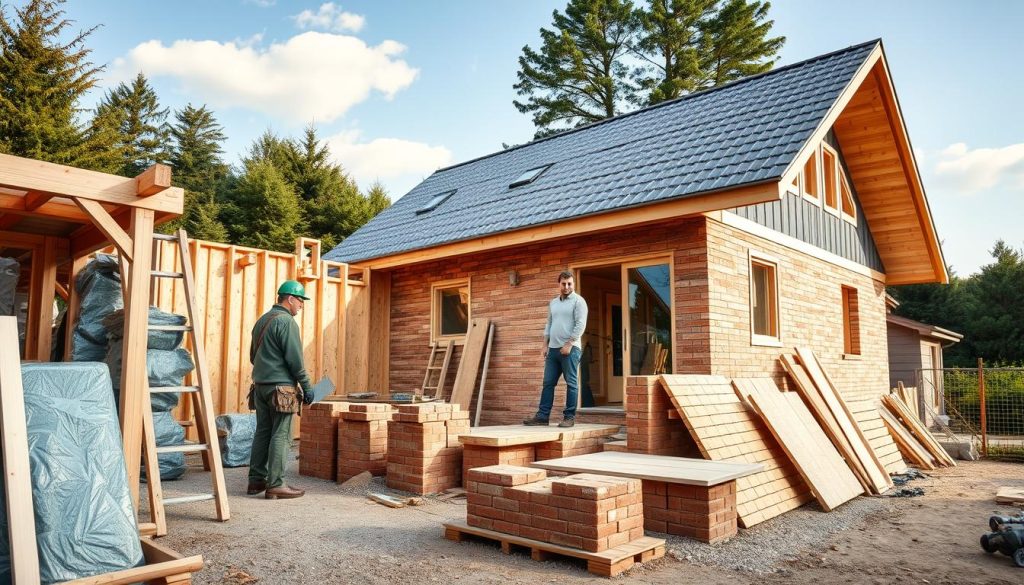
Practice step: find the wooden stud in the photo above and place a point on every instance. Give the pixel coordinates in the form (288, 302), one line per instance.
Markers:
(74, 304)
(47, 268)
(21, 518)
(153, 180)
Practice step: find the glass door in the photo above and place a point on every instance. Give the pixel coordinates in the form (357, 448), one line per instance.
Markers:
(647, 294)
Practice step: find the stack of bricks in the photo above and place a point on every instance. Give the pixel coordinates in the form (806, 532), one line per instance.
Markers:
(318, 439)
(704, 513)
(588, 512)
(484, 456)
(424, 453)
(363, 440)
(648, 426)
(574, 443)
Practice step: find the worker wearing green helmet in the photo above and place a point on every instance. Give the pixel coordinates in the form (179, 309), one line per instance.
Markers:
(278, 372)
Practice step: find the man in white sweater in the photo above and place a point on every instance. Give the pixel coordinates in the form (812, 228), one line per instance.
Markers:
(567, 317)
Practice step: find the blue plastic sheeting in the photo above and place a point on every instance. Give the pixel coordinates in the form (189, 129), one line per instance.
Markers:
(85, 524)
(99, 286)
(236, 446)
(169, 432)
(157, 339)
(165, 368)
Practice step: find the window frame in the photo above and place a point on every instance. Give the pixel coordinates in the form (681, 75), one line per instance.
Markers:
(850, 301)
(846, 191)
(814, 197)
(830, 178)
(760, 259)
(435, 309)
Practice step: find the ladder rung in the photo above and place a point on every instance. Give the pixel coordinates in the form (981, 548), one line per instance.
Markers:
(165, 237)
(433, 367)
(188, 448)
(166, 274)
(172, 389)
(188, 499)
(170, 328)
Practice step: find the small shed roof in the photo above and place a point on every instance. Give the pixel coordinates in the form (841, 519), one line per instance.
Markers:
(933, 331)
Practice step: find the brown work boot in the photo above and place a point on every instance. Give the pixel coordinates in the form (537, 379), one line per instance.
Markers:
(567, 422)
(535, 422)
(256, 487)
(284, 492)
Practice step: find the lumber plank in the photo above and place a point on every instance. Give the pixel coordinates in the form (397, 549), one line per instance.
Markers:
(483, 375)
(1009, 495)
(865, 414)
(831, 481)
(469, 363)
(153, 180)
(108, 225)
(680, 470)
(160, 562)
(878, 478)
(21, 519)
(907, 443)
(923, 435)
(507, 435)
(760, 496)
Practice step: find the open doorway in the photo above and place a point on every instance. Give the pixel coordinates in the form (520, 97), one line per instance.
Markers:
(601, 368)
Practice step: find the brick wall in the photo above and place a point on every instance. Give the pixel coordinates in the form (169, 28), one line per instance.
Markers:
(648, 426)
(705, 513)
(318, 439)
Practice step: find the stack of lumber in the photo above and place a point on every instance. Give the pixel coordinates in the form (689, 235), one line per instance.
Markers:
(914, 440)
(724, 429)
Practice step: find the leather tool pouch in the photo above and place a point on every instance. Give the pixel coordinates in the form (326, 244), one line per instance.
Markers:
(252, 397)
(286, 399)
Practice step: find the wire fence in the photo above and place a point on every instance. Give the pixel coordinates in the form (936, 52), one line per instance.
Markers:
(984, 404)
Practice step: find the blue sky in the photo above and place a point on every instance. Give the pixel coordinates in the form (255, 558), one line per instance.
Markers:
(402, 88)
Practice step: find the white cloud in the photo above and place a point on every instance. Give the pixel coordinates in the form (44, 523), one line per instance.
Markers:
(330, 17)
(972, 170)
(398, 163)
(311, 76)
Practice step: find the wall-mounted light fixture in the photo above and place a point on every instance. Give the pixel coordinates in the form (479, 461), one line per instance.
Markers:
(513, 277)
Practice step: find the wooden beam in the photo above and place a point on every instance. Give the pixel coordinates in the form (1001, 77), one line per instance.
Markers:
(46, 264)
(133, 358)
(34, 200)
(89, 239)
(62, 292)
(59, 180)
(687, 206)
(153, 180)
(15, 204)
(21, 518)
(9, 220)
(106, 224)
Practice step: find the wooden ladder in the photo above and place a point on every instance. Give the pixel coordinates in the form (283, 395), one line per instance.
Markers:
(442, 370)
(202, 405)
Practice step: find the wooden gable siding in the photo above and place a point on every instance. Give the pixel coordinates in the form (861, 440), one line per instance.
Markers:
(799, 218)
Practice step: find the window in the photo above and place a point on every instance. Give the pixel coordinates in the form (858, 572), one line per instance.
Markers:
(811, 178)
(449, 311)
(830, 178)
(435, 201)
(849, 209)
(764, 302)
(794, 188)
(851, 322)
(529, 176)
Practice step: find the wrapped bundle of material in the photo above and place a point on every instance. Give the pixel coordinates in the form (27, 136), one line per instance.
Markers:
(10, 270)
(114, 325)
(85, 524)
(169, 432)
(99, 287)
(236, 432)
(164, 368)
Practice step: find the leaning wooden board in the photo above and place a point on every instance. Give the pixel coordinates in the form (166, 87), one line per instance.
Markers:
(469, 363)
(907, 442)
(725, 430)
(866, 415)
(831, 480)
(913, 424)
(877, 477)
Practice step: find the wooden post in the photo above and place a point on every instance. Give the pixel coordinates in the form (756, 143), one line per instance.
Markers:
(47, 267)
(134, 377)
(21, 519)
(981, 405)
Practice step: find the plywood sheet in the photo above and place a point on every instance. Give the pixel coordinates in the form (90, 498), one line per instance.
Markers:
(469, 363)
(923, 435)
(908, 444)
(681, 470)
(725, 430)
(865, 414)
(832, 482)
(1010, 495)
(877, 477)
(507, 435)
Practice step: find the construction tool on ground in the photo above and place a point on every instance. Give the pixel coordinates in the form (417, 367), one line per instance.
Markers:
(202, 404)
(1007, 537)
(439, 370)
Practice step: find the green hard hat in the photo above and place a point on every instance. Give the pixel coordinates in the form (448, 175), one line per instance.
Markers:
(292, 287)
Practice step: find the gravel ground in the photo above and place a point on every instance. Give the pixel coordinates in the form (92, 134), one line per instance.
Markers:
(336, 535)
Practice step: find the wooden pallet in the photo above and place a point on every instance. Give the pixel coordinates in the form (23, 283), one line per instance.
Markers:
(605, 564)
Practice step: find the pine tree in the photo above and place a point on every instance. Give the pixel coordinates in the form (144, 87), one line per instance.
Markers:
(264, 211)
(736, 42)
(670, 48)
(44, 77)
(378, 200)
(579, 74)
(144, 131)
(195, 157)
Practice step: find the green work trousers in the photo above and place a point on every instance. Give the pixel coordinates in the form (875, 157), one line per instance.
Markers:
(272, 441)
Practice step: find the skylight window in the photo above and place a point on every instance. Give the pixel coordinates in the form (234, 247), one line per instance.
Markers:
(435, 201)
(529, 176)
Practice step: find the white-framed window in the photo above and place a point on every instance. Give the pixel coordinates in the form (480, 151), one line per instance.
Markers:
(764, 300)
(449, 310)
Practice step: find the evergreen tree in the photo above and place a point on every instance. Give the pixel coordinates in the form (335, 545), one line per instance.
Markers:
(579, 74)
(670, 48)
(144, 131)
(736, 42)
(263, 211)
(195, 156)
(377, 199)
(995, 311)
(44, 75)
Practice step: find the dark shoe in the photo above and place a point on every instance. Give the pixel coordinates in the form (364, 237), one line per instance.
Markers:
(256, 487)
(284, 492)
(535, 422)
(567, 422)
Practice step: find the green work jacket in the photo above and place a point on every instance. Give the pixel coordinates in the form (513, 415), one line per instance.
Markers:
(279, 358)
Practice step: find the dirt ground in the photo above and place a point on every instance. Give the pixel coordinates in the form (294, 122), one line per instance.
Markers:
(335, 535)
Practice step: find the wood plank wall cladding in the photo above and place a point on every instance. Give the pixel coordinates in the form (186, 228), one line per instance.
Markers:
(237, 284)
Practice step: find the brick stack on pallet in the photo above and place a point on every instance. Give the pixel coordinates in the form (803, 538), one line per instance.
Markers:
(704, 513)
(589, 512)
(318, 439)
(363, 440)
(424, 453)
(649, 429)
(482, 456)
(575, 443)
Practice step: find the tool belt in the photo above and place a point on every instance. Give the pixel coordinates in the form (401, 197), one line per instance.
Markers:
(286, 399)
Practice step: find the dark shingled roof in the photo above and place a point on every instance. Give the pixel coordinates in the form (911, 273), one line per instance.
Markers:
(742, 133)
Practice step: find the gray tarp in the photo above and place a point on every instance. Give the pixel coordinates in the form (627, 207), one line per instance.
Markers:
(114, 324)
(85, 524)
(99, 285)
(10, 269)
(169, 432)
(236, 446)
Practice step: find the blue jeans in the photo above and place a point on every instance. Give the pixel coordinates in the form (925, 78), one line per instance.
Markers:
(567, 366)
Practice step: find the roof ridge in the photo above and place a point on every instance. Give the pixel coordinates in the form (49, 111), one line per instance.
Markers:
(663, 104)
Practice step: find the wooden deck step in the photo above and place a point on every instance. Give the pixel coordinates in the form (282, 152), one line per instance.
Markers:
(605, 564)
